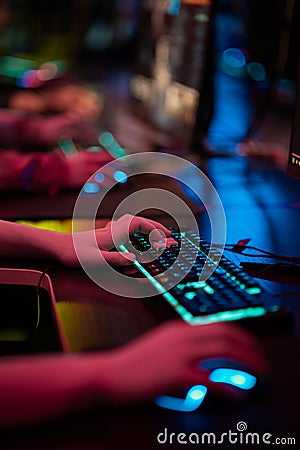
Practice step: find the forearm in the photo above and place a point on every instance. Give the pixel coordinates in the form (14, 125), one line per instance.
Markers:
(34, 171)
(19, 128)
(39, 388)
(21, 241)
(12, 123)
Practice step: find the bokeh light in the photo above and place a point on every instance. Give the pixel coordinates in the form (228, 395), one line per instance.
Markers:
(256, 71)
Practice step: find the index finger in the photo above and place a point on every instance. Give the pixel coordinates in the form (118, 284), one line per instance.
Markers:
(138, 223)
(119, 231)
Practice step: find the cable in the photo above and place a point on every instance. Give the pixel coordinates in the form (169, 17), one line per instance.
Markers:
(239, 248)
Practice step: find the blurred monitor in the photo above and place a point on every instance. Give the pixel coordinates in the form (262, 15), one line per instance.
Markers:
(172, 85)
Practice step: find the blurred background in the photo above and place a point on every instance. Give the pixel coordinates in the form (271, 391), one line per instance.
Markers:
(83, 82)
(249, 45)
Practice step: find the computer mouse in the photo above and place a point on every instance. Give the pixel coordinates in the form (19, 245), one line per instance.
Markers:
(221, 370)
(188, 401)
(224, 370)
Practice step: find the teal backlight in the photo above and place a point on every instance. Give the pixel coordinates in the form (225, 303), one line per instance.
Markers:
(223, 316)
(234, 377)
(91, 188)
(191, 402)
(107, 140)
(174, 7)
(120, 176)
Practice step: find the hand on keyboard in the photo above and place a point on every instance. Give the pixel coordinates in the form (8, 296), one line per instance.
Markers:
(112, 235)
(164, 243)
(200, 283)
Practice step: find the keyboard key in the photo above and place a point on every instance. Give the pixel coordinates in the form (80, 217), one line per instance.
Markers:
(229, 288)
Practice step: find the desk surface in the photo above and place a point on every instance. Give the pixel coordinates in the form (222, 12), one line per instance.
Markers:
(260, 204)
(38, 206)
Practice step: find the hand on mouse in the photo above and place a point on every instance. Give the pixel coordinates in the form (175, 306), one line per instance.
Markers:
(167, 360)
(80, 166)
(162, 361)
(48, 130)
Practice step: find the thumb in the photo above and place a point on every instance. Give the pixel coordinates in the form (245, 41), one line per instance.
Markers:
(119, 258)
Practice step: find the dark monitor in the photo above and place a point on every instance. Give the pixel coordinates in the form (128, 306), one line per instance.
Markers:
(294, 155)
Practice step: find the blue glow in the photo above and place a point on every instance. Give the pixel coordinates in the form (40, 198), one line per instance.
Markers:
(99, 177)
(256, 71)
(91, 188)
(27, 78)
(234, 57)
(191, 402)
(174, 7)
(120, 176)
(233, 62)
(237, 378)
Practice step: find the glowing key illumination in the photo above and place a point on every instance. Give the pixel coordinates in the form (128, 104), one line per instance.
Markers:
(106, 139)
(191, 402)
(94, 149)
(120, 176)
(237, 378)
(91, 188)
(253, 290)
(190, 295)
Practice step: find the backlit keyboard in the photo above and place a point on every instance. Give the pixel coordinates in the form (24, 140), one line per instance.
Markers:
(228, 294)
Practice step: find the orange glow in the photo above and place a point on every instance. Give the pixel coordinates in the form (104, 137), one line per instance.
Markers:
(197, 2)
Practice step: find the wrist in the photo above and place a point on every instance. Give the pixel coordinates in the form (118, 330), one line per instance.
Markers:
(31, 129)
(23, 241)
(105, 380)
(63, 249)
(51, 172)
(44, 243)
